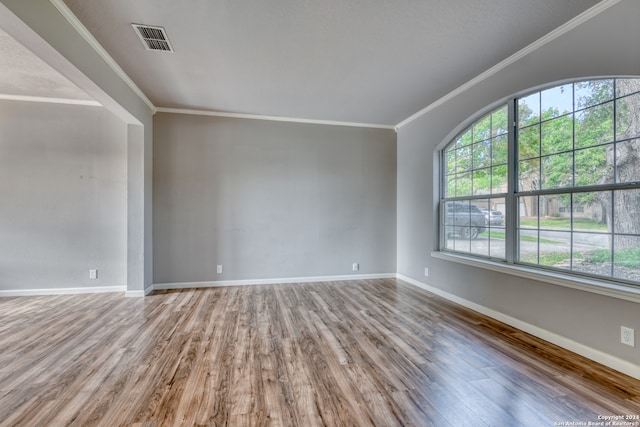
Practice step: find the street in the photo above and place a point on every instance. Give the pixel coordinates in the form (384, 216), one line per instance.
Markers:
(550, 242)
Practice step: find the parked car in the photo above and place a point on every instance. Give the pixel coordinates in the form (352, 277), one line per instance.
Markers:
(464, 220)
(493, 217)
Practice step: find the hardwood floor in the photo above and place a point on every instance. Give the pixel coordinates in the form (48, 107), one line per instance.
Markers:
(358, 353)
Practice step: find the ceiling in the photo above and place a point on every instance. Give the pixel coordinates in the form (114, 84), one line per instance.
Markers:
(363, 61)
(25, 76)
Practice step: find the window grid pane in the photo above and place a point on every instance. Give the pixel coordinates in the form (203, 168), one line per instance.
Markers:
(578, 230)
(475, 165)
(577, 189)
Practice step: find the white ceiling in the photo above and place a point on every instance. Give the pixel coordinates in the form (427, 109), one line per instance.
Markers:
(366, 61)
(22, 74)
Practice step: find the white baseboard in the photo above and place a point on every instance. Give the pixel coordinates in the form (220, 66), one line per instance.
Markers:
(213, 284)
(606, 359)
(134, 294)
(61, 291)
(139, 294)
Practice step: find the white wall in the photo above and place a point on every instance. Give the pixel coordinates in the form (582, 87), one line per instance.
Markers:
(605, 45)
(63, 193)
(270, 199)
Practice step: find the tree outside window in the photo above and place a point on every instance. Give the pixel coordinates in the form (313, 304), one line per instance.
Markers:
(576, 163)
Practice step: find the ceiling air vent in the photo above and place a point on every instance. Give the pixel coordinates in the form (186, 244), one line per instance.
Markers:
(153, 38)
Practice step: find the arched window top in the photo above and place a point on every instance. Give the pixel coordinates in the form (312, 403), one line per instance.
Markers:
(550, 179)
(480, 152)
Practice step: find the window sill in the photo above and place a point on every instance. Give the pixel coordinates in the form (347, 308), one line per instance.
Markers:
(610, 289)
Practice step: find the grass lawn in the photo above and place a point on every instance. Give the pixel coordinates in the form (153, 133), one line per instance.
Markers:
(501, 234)
(629, 258)
(548, 258)
(625, 258)
(565, 223)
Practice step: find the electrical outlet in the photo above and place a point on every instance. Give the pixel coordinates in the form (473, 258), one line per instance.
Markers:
(219, 269)
(426, 271)
(627, 336)
(355, 266)
(93, 274)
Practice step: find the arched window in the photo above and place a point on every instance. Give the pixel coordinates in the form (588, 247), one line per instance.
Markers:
(550, 179)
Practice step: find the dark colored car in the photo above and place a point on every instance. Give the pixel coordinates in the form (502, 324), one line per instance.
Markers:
(493, 217)
(464, 220)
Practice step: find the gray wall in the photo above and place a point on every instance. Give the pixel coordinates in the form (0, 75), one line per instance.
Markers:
(63, 192)
(271, 199)
(40, 27)
(606, 45)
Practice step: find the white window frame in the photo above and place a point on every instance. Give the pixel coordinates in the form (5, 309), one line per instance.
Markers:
(608, 286)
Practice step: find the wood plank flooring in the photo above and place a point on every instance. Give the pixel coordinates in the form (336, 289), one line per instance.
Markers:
(353, 353)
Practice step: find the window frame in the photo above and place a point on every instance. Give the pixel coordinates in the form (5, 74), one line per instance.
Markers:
(459, 131)
(608, 285)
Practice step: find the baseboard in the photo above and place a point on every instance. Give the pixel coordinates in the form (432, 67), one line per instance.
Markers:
(134, 294)
(606, 359)
(139, 294)
(213, 284)
(61, 291)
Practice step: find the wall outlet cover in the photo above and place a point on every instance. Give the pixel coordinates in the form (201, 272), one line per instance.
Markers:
(627, 336)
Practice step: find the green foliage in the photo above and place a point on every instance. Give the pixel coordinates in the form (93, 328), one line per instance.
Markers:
(499, 121)
(481, 181)
(529, 110)
(557, 170)
(476, 163)
(592, 167)
(500, 235)
(627, 257)
(598, 256)
(553, 139)
(482, 129)
(465, 139)
(557, 146)
(529, 142)
(592, 92)
(482, 154)
(548, 258)
(499, 150)
(594, 126)
(557, 135)
(567, 136)
(556, 101)
(565, 223)
(529, 174)
(498, 179)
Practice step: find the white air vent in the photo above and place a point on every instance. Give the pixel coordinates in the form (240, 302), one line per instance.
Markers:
(153, 38)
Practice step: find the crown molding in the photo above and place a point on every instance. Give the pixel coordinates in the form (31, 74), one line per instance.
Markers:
(89, 102)
(97, 47)
(561, 30)
(270, 118)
